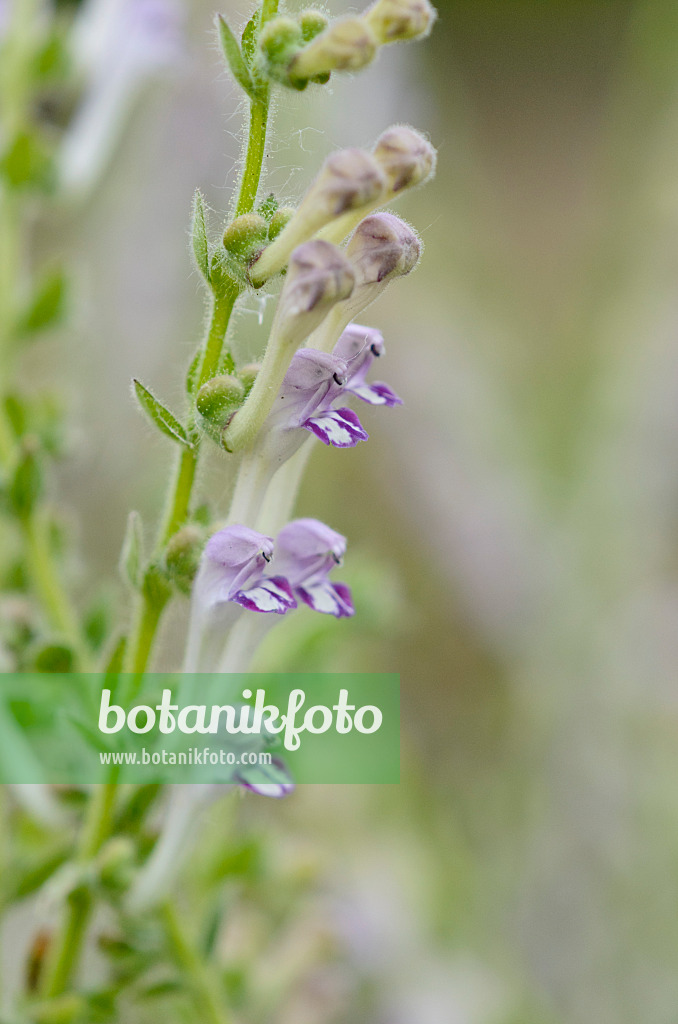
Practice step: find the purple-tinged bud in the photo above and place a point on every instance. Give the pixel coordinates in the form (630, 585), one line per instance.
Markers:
(394, 21)
(382, 247)
(349, 181)
(319, 275)
(405, 156)
(347, 45)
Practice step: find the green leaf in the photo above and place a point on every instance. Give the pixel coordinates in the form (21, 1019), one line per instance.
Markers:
(132, 548)
(160, 416)
(248, 40)
(47, 306)
(193, 373)
(27, 164)
(235, 60)
(199, 235)
(26, 486)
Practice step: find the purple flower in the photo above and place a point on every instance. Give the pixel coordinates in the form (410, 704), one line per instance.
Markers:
(359, 347)
(307, 551)
(233, 568)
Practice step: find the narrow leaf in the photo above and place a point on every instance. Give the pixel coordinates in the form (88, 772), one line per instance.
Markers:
(199, 235)
(46, 307)
(159, 415)
(248, 41)
(234, 59)
(131, 554)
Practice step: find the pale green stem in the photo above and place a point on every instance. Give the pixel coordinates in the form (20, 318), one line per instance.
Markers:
(206, 996)
(254, 476)
(47, 584)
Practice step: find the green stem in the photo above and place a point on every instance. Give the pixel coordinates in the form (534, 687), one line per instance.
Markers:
(205, 995)
(45, 578)
(255, 156)
(68, 941)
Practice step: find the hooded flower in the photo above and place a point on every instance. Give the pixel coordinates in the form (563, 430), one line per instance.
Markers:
(359, 347)
(307, 551)
(233, 568)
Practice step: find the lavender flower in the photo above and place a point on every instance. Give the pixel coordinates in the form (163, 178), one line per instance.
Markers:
(231, 576)
(233, 569)
(359, 347)
(307, 551)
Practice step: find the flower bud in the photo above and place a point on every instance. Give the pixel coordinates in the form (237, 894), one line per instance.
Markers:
(219, 397)
(394, 21)
(381, 247)
(280, 220)
(279, 41)
(248, 375)
(245, 235)
(349, 180)
(405, 156)
(312, 23)
(318, 276)
(182, 555)
(345, 46)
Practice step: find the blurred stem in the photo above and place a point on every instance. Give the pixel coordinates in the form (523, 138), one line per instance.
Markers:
(45, 578)
(65, 950)
(205, 995)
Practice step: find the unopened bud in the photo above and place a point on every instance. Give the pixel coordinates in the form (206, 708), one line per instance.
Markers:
(312, 23)
(349, 180)
(394, 21)
(245, 235)
(280, 220)
(381, 247)
(405, 156)
(318, 276)
(345, 46)
(182, 555)
(248, 375)
(217, 399)
(279, 41)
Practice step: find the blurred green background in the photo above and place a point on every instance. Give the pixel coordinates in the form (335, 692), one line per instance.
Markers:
(512, 528)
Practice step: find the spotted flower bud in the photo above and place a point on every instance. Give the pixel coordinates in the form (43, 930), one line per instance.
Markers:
(381, 248)
(394, 21)
(405, 156)
(319, 275)
(349, 180)
(346, 45)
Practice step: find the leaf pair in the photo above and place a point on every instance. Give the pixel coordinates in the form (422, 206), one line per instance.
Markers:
(240, 61)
